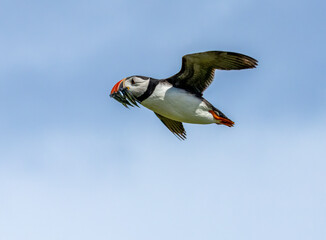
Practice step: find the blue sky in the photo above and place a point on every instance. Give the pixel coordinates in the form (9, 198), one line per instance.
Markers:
(75, 164)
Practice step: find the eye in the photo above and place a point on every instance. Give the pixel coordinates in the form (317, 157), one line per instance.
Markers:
(132, 81)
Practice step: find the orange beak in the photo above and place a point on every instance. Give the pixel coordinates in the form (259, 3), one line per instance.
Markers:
(116, 87)
(120, 93)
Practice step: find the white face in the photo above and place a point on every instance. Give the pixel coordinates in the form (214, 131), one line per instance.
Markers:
(136, 85)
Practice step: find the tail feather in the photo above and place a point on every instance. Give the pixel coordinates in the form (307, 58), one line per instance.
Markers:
(221, 118)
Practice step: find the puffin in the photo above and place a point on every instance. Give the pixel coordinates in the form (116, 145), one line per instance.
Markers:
(179, 99)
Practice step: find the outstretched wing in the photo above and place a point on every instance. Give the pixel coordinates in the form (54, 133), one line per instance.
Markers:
(174, 126)
(197, 71)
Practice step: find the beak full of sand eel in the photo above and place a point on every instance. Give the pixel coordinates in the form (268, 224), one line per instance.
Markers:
(120, 93)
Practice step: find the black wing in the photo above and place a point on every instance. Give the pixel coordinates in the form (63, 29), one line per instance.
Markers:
(174, 126)
(197, 71)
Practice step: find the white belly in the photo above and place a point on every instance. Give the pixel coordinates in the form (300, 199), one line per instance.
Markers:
(179, 105)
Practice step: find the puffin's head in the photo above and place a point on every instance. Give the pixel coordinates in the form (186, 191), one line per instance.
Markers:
(127, 90)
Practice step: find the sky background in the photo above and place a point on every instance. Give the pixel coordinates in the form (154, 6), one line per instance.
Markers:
(75, 164)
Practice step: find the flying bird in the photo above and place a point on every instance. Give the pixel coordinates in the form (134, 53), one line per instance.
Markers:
(179, 99)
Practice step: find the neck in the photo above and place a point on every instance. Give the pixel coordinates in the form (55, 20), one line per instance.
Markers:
(150, 89)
